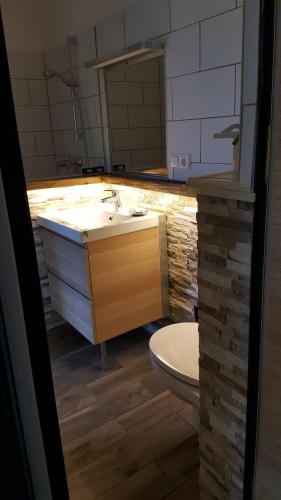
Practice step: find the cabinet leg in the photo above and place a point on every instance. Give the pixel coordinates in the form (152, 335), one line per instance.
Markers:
(104, 358)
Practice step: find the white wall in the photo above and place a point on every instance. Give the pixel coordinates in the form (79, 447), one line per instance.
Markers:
(25, 24)
(37, 25)
(33, 114)
(73, 16)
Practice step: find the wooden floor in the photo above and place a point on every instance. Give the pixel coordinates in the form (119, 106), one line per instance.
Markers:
(124, 437)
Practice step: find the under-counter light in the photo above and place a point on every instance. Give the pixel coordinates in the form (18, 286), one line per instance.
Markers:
(129, 55)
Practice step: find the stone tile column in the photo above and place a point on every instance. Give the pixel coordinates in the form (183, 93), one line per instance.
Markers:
(224, 267)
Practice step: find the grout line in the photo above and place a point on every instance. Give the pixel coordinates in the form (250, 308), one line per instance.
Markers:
(27, 78)
(29, 95)
(201, 118)
(200, 127)
(235, 96)
(200, 44)
(124, 28)
(203, 70)
(31, 105)
(170, 14)
(192, 24)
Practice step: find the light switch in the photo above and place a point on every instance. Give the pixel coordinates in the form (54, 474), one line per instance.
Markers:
(173, 161)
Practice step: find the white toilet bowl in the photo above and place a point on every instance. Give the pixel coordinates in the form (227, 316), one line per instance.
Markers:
(174, 354)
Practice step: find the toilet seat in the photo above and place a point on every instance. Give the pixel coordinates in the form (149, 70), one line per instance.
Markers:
(175, 348)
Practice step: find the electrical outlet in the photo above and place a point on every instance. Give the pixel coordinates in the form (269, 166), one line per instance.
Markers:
(185, 160)
(92, 170)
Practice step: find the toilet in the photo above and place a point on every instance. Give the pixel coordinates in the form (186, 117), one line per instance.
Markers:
(174, 354)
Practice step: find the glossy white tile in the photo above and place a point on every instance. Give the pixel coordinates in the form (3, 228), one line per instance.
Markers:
(238, 90)
(184, 13)
(27, 144)
(216, 150)
(247, 144)
(95, 142)
(33, 118)
(184, 137)
(221, 40)
(92, 112)
(20, 92)
(38, 92)
(251, 51)
(206, 94)
(62, 117)
(182, 51)
(44, 142)
(39, 168)
(88, 82)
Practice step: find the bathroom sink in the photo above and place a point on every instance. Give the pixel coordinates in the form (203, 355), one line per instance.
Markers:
(85, 224)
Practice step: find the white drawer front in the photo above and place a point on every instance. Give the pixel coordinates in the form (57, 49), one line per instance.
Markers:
(73, 307)
(67, 261)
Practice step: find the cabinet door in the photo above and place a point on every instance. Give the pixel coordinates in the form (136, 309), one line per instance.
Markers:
(68, 261)
(126, 281)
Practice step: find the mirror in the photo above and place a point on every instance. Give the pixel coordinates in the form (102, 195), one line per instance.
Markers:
(75, 118)
(135, 96)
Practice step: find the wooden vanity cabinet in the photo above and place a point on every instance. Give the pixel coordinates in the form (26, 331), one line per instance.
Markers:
(110, 286)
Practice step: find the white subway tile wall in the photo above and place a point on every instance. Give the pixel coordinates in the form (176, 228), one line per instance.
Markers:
(182, 52)
(238, 89)
(247, 142)
(32, 114)
(135, 115)
(184, 13)
(203, 55)
(66, 145)
(185, 133)
(205, 94)
(215, 150)
(221, 40)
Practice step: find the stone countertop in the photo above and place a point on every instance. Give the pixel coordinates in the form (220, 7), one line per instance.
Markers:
(212, 186)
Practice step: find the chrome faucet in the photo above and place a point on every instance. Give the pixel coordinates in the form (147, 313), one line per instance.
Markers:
(114, 198)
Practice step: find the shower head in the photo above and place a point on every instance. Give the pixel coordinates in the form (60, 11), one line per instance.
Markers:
(53, 74)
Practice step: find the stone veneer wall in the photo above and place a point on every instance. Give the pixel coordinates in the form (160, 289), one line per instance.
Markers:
(181, 237)
(224, 244)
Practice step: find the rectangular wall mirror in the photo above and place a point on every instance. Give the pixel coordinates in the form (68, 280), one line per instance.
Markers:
(135, 97)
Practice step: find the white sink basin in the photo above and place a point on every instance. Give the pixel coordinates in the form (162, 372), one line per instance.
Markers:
(84, 224)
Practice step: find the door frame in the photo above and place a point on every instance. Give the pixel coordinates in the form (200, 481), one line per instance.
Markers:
(267, 44)
(23, 315)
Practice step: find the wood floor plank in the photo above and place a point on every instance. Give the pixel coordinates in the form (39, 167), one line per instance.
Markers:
(147, 484)
(112, 381)
(189, 491)
(95, 415)
(181, 463)
(131, 456)
(93, 445)
(150, 413)
(124, 436)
